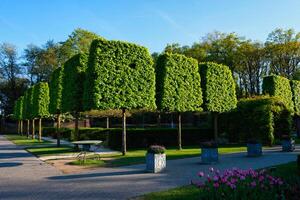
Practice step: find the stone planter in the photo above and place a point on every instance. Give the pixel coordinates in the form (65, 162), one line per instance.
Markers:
(254, 150)
(155, 162)
(288, 145)
(209, 155)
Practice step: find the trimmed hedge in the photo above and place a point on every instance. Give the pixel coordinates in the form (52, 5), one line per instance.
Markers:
(18, 108)
(178, 84)
(295, 86)
(280, 87)
(72, 83)
(55, 91)
(137, 137)
(262, 118)
(40, 105)
(121, 75)
(218, 87)
(28, 106)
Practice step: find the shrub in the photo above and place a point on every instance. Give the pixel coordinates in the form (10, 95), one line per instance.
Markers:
(261, 118)
(295, 86)
(280, 87)
(28, 103)
(121, 76)
(156, 149)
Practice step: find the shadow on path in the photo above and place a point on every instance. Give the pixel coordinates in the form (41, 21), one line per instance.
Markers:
(104, 174)
(10, 164)
(14, 155)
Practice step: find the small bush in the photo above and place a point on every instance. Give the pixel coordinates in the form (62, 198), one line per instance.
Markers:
(156, 149)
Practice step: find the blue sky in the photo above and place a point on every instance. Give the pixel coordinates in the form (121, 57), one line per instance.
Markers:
(152, 23)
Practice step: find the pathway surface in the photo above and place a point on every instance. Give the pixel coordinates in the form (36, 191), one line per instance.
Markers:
(23, 176)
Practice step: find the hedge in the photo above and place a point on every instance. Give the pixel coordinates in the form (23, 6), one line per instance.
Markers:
(295, 86)
(280, 87)
(137, 137)
(218, 87)
(28, 104)
(121, 76)
(262, 118)
(55, 91)
(40, 100)
(178, 83)
(72, 83)
(18, 108)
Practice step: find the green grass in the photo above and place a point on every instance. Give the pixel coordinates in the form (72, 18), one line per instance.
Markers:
(138, 156)
(287, 171)
(50, 150)
(24, 141)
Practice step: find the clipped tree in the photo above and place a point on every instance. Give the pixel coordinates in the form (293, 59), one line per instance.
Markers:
(17, 114)
(295, 86)
(279, 86)
(218, 87)
(55, 93)
(28, 111)
(120, 75)
(73, 76)
(40, 103)
(178, 87)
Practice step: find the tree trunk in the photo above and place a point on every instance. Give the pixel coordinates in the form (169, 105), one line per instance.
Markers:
(215, 125)
(21, 127)
(76, 126)
(58, 130)
(123, 132)
(107, 122)
(18, 127)
(33, 129)
(40, 129)
(28, 128)
(179, 131)
(159, 120)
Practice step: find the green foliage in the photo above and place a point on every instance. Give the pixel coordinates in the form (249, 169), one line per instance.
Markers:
(280, 87)
(18, 108)
(40, 100)
(121, 75)
(178, 83)
(28, 104)
(218, 87)
(72, 83)
(295, 86)
(262, 118)
(55, 91)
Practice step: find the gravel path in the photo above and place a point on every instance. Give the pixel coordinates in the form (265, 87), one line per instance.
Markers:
(23, 176)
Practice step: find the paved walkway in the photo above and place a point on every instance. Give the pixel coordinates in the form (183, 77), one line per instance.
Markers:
(22, 176)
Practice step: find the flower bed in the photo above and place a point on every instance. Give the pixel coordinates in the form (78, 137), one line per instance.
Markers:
(240, 184)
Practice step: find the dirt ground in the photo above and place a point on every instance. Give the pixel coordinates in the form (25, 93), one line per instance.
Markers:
(63, 166)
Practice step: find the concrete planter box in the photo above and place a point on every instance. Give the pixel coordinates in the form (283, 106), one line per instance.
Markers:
(209, 155)
(155, 162)
(254, 150)
(288, 145)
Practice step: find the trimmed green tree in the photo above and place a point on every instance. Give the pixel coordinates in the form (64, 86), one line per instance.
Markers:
(280, 87)
(28, 110)
(73, 76)
(40, 103)
(17, 114)
(178, 87)
(120, 75)
(55, 93)
(218, 87)
(295, 86)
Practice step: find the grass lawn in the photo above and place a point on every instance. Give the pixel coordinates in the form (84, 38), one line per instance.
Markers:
(138, 156)
(23, 140)
(50, 150)
(286, 171)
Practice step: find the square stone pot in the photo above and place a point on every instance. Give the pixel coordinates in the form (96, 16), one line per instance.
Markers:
(254, 150)
(288, 145)
(155, 162)
(209, 155)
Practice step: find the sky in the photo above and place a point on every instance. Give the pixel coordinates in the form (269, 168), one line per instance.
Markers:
(151, 23)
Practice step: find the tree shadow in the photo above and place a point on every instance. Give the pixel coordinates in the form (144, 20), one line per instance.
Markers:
(10, 164)
(92, 175)
(14, 155)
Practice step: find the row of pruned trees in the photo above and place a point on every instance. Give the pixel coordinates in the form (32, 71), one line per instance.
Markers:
(118, 75)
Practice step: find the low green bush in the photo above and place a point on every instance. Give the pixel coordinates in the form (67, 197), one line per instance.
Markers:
(262, 118)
